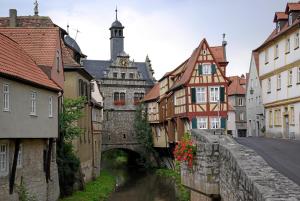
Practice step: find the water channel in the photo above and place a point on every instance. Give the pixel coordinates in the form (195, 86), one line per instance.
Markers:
(140, 185)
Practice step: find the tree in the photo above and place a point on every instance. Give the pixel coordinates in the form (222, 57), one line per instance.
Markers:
(67, 162)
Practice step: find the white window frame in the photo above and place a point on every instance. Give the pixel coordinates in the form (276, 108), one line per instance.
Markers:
(292, 114)
(50, 106)
(287, 45)
(6, 97)
(296, 41)
(242, 116)
(298, 76)
(266, 56)
(33, 97)
(4, 159)
(200, 94)
(290, 77)
(206, 69)
(279, 81)
(290, 19)
(240, 102)
(214, 94)
(269, 85)
(215, 122)
(202, 122)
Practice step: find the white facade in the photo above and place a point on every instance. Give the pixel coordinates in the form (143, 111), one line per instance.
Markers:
(231, 126)
(254, 106)
(280, 79)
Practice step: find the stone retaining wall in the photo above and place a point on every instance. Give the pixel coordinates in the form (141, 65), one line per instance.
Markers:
(228, 171)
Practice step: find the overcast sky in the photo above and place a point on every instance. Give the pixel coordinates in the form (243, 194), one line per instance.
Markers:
(166, 30)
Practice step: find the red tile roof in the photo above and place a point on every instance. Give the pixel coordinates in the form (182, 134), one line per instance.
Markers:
(236, 88)
(217, 53)
(39, 43)
(280, 16)
(152, 94)
(292, 7)
(16, 63)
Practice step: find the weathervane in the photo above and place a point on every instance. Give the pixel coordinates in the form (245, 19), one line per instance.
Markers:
(36, 8)
(116, 13)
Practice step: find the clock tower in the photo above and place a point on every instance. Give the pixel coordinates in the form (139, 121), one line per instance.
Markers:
(116, 38)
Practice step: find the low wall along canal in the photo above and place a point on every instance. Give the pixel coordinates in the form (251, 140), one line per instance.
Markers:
(225, 170)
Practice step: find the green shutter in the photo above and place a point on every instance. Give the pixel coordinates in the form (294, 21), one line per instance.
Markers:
(200, 69)
(213, 68)
(222, 94)
(223, 122)
(194, 123)
(193, 93)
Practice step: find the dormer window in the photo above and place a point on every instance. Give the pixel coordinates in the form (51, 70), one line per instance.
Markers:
(278, 27)
(290, 19)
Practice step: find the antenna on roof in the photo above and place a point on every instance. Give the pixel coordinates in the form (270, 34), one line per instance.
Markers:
(224, 43)
(36, 8)
(68, 26)
(116, 13)
(77, 31)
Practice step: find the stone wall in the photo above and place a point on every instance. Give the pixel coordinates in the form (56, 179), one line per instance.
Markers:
(227, 171)
(31, 172)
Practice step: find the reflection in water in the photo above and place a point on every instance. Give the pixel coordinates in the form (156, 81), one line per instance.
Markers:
(141, 186)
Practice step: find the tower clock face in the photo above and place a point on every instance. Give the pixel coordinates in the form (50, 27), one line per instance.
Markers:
(124, 62)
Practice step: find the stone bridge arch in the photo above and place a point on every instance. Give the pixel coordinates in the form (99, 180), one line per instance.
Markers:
(135, 147)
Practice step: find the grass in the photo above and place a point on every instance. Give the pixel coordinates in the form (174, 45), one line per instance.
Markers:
(183, 193)
(98, 190)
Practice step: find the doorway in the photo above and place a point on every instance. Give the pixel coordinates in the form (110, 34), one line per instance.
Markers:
(286, 124)
(257, 129)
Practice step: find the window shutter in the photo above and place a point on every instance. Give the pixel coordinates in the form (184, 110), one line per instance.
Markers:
(213, 68)
(222, 94)
(200, 69)
(223, 122)
(193, 93)
(194, 123)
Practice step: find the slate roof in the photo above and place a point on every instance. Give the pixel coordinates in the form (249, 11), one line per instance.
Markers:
(40, 43)
(236, 88)
(97, 67)
(16, 63)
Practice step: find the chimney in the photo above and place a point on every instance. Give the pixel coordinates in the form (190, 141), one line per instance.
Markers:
(224, 43)
(12, 17)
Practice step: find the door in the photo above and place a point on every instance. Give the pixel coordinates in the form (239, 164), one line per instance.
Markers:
(257, 128)
(286, 121)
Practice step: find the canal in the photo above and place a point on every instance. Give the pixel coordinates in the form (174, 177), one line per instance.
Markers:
(134, 182)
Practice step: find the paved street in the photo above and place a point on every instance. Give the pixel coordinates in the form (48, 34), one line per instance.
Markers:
(282, 155)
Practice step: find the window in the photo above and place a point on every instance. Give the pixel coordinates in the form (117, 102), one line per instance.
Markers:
(115, 75)
(131, 75)
(277, 117)
(202, 123)
(57, 61)
(5, 97)
(33, 103)
(278, 81)
(269, 85)
(214, 94)
(290, 78)
(278, 26)
(270, 118)
(241, 116)
(158, 131)
(201, 94)
(292, 115)
(206, 69)
(298, 76)
(287, 46)
(3, 159)
(276, 52)
(240, 102)
(215, 122)
(20, 157)
(123, 75)
(50, 106)
(137, 97)
(296, 41)
(290, 18)
(266, 56)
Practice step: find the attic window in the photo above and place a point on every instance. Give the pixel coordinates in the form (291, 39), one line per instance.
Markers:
(278, 27)
(290, 18)
(204, 52)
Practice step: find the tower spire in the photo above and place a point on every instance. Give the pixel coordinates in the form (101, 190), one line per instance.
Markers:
(116, 13)
(36, 8)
